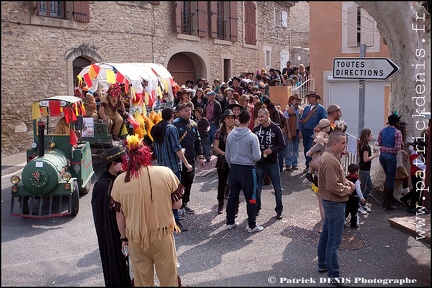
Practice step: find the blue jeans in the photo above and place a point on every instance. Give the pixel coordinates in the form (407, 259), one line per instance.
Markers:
(175, 211)
(242, 177)
(206, 147)
(366, 184)
(307, 144)
(331, 237)
(212, 132)
(292, 151)
(388, 162)
(273, 171)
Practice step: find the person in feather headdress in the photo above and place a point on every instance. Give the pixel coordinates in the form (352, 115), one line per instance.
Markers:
(143, 197)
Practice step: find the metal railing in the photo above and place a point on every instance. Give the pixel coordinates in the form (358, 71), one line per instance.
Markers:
(305, 88)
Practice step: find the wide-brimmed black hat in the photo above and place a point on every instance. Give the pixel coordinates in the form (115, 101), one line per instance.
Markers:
(114, 154)
(231, 106)
(393, 119)
(226, 113)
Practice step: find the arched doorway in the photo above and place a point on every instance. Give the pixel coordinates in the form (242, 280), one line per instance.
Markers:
(78, 64)
(182, 68)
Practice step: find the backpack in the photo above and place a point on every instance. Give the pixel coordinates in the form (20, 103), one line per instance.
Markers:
(158, 132)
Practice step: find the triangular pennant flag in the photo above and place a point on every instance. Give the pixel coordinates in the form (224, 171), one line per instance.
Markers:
(96, 68)
(36, 113)
(119, 77)
(88, 80)
(54, 108)
(73, 139)
(124, 130)
(110, 76)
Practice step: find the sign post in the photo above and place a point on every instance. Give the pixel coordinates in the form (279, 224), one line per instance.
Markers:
(362, 95)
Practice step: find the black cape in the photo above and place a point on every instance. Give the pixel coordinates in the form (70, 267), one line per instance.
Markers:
(114, 264)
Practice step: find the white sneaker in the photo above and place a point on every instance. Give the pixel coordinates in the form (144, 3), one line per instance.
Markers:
(367, 209)
(255, 229)
(232, 226)
(362, 211)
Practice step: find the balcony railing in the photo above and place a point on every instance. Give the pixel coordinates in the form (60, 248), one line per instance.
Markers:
(305, 88)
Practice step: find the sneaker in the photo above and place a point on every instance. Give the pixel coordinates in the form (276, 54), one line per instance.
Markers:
(322, 270)
(279, 216)
(182, 227)
(188, 210)
(255, 229)
(232, 226)
(362, 211)
(366, 208)
(309, 177)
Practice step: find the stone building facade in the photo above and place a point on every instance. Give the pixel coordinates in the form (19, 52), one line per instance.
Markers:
(41, 55)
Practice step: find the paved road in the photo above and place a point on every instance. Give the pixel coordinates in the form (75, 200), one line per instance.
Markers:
(63, 251)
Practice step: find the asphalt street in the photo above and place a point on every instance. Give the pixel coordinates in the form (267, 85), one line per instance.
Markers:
(283, 254)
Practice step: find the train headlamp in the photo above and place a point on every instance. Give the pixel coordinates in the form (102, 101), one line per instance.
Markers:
(66, 176)
(15, 180)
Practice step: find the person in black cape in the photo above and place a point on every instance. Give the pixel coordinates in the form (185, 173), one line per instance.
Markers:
(114, 264)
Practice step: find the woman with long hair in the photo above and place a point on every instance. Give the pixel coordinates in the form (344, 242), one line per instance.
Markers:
(199, 99)
(366, 156)
(227, 125)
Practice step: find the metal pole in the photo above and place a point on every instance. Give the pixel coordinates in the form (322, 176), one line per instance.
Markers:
(361, 94)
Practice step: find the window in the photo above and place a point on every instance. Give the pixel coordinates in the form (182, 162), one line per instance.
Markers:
(250, 22)
(267, 58)
(360, 28)
(223, 20)
(55, 9)
(281, 18)
(62, 10)
(191, 18)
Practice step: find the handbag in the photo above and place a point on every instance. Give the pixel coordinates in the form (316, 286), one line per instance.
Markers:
(401, 172)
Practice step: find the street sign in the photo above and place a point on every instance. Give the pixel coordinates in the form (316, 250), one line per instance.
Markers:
(364, 68)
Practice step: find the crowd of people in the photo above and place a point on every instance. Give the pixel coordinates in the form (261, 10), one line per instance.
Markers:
(255, 142)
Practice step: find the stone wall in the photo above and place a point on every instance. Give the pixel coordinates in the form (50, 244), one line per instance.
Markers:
(37, 52)
(299, 21)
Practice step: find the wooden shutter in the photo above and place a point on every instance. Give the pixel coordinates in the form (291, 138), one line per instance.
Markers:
(81, 11)
(250, 23)
(352, 27)
(233, 21)
(213, 19)
(178, 16)
(367, 29)
(202, 18)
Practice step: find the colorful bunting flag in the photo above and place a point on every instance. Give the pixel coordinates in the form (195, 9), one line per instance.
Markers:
(119, 77)
(73, 139)
(36, 113)
(110, 77)
(54, 108)
(88, 80)
(67, 112)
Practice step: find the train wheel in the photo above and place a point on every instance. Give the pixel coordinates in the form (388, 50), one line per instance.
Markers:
(75, 200)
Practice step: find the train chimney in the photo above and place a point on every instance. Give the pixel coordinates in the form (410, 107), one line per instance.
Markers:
(41, 140)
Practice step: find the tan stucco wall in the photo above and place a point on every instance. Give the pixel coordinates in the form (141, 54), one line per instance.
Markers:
(326, 37)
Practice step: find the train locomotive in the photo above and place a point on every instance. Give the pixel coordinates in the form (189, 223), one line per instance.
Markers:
(59, 168)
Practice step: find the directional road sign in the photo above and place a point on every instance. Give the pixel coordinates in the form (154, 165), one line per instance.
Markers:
(364, 68)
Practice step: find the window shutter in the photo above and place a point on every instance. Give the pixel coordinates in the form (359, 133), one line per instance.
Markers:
(202, 18)
(284, 19)
(250, 25)
(352, 27)
(213, 19)
(81, 11)
(367, 29)
(178, 16)
(233, 21)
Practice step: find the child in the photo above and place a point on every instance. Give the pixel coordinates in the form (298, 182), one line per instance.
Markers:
(318, 146)
(352, 205)
(366, 156)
